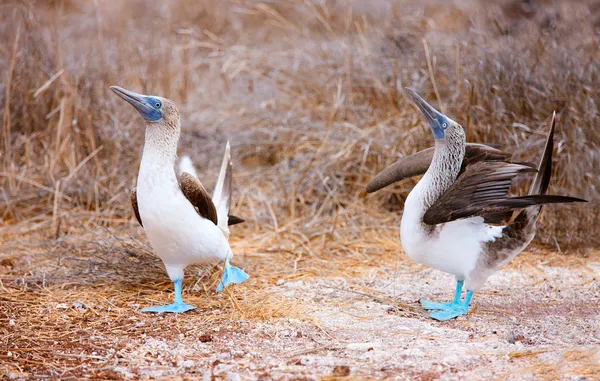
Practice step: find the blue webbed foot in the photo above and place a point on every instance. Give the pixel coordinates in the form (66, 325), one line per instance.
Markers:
(231, 274)
(428, 305)
(449, 313)
(178, 305)
(174, 308)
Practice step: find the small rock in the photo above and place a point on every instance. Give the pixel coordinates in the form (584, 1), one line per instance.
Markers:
(362, 346)
(280, 282)
(61, 306)
(513, 338)
(78, 305)
(224, 356)
(232, 377)
(11, 322)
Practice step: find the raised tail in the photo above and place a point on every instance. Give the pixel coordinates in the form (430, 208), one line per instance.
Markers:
(542, 179)
(537, 193)
(222, 194)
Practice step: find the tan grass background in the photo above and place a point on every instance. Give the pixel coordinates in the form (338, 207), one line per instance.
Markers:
(309, 92)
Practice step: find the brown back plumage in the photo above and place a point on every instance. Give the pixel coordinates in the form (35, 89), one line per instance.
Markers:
(194, 191)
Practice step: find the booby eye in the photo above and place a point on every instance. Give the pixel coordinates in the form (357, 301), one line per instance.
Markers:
(444, 125)
(158, 104)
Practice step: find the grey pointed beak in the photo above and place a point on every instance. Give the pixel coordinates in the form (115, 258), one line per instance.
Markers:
(135, 99)
(144, 104)
(430, 113)
(434, 117)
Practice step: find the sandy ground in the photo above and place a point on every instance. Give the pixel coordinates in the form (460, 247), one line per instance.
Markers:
(537, 319)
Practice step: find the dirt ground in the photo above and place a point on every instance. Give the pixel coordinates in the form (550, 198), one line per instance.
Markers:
(69, 311)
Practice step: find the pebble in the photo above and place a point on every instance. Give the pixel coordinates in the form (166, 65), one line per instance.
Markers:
(232, 377)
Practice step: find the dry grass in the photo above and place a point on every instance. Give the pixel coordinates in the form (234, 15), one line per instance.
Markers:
(310, 93)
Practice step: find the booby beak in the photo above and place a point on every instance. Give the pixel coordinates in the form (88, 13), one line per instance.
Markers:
(149, 107)
(417, 163)
(437, 121)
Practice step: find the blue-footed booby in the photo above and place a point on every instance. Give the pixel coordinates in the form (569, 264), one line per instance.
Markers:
(183, 223)
(459, 218)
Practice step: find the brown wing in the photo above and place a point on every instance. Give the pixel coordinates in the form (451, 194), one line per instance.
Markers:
(198, 196)
(482, 191)
(477, 192)
(418, 163)
(133, 199)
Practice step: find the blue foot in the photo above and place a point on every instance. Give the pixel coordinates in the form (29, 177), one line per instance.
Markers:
(449, 313)
(449, 310)
(176, 308)
(178, 305)
(231, 274)
(427, 305)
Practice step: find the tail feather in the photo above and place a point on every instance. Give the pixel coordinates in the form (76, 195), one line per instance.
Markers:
(234, 220)
(533, 200)
(542, 179)
(186, 165)
(222, 194)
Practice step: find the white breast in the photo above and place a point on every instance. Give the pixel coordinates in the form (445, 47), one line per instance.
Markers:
(178, 234)
(453, 247)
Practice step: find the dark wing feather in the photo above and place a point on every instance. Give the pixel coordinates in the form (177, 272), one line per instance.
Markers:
(234, 220)
(198, 196)
(475, 153)
(479, 191)
(418, 163)
(482, 191)
(133, 199)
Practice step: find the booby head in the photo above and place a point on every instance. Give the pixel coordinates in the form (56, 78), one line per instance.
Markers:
(440, 124)
(152, 108)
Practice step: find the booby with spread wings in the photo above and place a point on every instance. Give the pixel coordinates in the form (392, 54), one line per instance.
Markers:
(459, 217)
(183, 223)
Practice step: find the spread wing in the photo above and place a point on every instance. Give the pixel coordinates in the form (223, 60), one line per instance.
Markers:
(418, 163)
(198, 196)
(481, 190)
(133, 199)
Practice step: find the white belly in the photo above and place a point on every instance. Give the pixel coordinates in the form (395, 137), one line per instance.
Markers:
(453, 247)
(178, 234)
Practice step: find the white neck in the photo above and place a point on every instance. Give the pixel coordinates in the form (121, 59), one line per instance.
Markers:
(443, 170)
(160, 153)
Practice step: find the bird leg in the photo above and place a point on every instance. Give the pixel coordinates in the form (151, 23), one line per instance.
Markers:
(427, 305)
(178, 305)
(231, 274)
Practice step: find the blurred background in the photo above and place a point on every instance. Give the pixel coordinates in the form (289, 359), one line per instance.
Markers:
(310, 94)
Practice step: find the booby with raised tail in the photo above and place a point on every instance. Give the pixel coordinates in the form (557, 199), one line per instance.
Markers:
(459, 218)
(183, 223)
